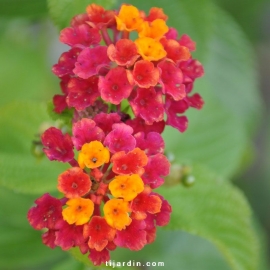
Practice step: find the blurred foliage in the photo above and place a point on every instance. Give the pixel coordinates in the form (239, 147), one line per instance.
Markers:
(212, 219)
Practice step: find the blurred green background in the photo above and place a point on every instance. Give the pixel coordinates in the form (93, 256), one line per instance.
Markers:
(223, 220)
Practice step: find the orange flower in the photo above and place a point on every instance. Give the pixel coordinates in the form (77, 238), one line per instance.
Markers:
(126, 186)
(116, 213)
(128, 19)
(93, 155)
(150, 49)
(155, 29)
(79, 211)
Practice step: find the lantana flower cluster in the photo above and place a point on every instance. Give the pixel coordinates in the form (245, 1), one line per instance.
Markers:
(122, 91)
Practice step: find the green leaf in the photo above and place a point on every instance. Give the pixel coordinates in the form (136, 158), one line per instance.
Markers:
(62, 11)
(231, 71)
(23, 8)
(214, 138)
(177, 250)
(21, 246)
(21, 46)
(217, 211)
(191, 17)
(19, 169)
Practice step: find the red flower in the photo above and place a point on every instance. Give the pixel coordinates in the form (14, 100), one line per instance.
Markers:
(152, 143)
(175, 51)
(120, 138)
(115, 87)
(130, 163)
(57, 146)
(85, 131)
(171, 80)
(69, 236)
(192, 68)
(106, 120)
(145, 202)
(186, 41)
(81, 36)
(46, 214)
(99, 257)
(148, 105)
(90, 61)
(157, 166)
(66, 62)
(144, 74)
(74, 183)
(124, 52)
(82, 93)
(99, 233)
(135, 234)
(98, 17)
(138, 125)
(48, 238)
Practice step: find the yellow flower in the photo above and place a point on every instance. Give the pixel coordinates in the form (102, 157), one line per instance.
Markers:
(155, 29)
(150, 49)
(128, 19)
(116, 213)
(79, 211)
(93, 155)
(126, 186)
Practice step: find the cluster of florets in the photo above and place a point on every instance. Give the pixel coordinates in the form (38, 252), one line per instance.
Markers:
(116, 154)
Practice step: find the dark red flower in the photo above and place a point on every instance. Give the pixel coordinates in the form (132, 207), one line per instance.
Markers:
(106, 120)
(46, 214)
(81, 36)
(148, 104)
(124, 52)
(48, 238)
(82, 93)
(85, 131)
(120, 138)
(144, 74)
(79, 19)
(133, 237)
(173, 109)
(90, 61)
(130, 163)
(99, 233)
(99, 257)
(69, 236)
(115, 87)
(57, 146)
(138, 124)
(152, 143)
(157, 166)
(195, 101)
(186, 41)
(172, 80)
(66, 62)
(192, 68)
(74, 183)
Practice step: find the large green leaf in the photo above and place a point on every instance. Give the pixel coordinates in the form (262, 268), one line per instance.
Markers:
(231, 71)
(62, 11)
(214, 137)
(177, 250)
(21, 246)
(19, 169)
(218, 212)
(24, 69)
